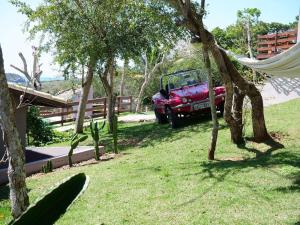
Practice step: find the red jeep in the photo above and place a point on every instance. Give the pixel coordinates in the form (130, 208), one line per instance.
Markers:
(184, 93)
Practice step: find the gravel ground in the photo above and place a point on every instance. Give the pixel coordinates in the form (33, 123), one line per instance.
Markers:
(137, 118)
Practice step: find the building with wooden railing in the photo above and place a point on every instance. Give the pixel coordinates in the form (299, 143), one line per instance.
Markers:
(272, 44)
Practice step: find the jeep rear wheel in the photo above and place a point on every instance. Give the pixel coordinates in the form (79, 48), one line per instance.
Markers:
(160, 118)
(172, 118)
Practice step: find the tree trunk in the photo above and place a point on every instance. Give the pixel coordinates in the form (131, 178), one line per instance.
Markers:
(215, 130)
(107, 81)
(110, 112)
(143, 87)
(16, 171)
(86, 86)
(206, 59)
(238, 104)
(140, 96)
(260, 132)
(147, 76)
(122, 84)
(249, 45)
(227, 70)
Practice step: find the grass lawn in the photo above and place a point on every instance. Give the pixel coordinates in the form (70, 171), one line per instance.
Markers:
(164, 177)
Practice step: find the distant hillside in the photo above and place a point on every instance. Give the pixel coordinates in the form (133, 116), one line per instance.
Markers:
(51, 78)
(16, 78)
(57, 86)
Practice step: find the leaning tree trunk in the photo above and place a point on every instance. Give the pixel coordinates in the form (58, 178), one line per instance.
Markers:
(260, 132)
(86, 86)
(238, 104)
(16, 171)
(226, 68)
(234, 125)
(215, 130)
(206, 59)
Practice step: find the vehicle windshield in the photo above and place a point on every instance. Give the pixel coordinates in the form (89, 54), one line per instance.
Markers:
(186, 78)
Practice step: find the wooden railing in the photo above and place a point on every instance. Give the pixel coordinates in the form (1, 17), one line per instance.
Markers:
(95, 108)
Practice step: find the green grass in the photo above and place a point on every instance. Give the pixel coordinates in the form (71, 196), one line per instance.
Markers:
(164, 177)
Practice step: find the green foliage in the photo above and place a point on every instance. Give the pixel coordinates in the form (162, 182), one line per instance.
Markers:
(48, 167)
(75, 140)
(55, 203)
(95, 31)
(95, 133)
(39, 131)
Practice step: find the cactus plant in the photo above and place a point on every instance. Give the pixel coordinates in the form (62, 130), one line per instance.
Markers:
(48, 167)
(95, 130)
(75, 140)
(115, 134)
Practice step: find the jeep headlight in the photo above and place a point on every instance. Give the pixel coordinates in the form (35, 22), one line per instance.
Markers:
(184, 100)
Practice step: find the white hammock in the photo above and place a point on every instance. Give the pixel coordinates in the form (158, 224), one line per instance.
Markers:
(285, 64)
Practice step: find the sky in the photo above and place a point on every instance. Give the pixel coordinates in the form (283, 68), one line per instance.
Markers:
(221, 14)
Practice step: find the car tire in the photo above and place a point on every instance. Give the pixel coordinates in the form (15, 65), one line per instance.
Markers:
(172, 118)
(160, 118)
(221, 109)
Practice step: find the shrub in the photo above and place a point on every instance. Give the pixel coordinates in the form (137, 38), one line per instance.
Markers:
(39, 131)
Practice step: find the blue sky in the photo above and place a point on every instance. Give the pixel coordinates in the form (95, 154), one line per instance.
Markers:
(221, 13)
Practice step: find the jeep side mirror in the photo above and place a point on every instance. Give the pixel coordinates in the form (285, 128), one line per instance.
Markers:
(163, 93)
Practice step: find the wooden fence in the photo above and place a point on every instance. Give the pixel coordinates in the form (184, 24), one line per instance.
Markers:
(95, 108)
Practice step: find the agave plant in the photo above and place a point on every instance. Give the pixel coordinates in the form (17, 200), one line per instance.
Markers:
(75, 140)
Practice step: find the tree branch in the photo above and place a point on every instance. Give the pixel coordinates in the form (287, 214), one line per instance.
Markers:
(24, 71)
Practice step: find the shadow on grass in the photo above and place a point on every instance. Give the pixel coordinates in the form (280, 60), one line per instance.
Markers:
(295, 187)
(218, 170)
(273, 144)
(265, 159)
(143, 134)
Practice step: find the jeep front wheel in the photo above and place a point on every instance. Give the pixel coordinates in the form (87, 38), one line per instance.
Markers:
(172, 118)
(160, 118)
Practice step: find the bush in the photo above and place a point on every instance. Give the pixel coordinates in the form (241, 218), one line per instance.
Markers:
(39, 131)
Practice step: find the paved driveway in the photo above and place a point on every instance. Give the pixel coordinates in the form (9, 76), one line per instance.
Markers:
(280, 90)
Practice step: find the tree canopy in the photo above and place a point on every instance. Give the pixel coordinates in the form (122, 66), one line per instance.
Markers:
(83, 30)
